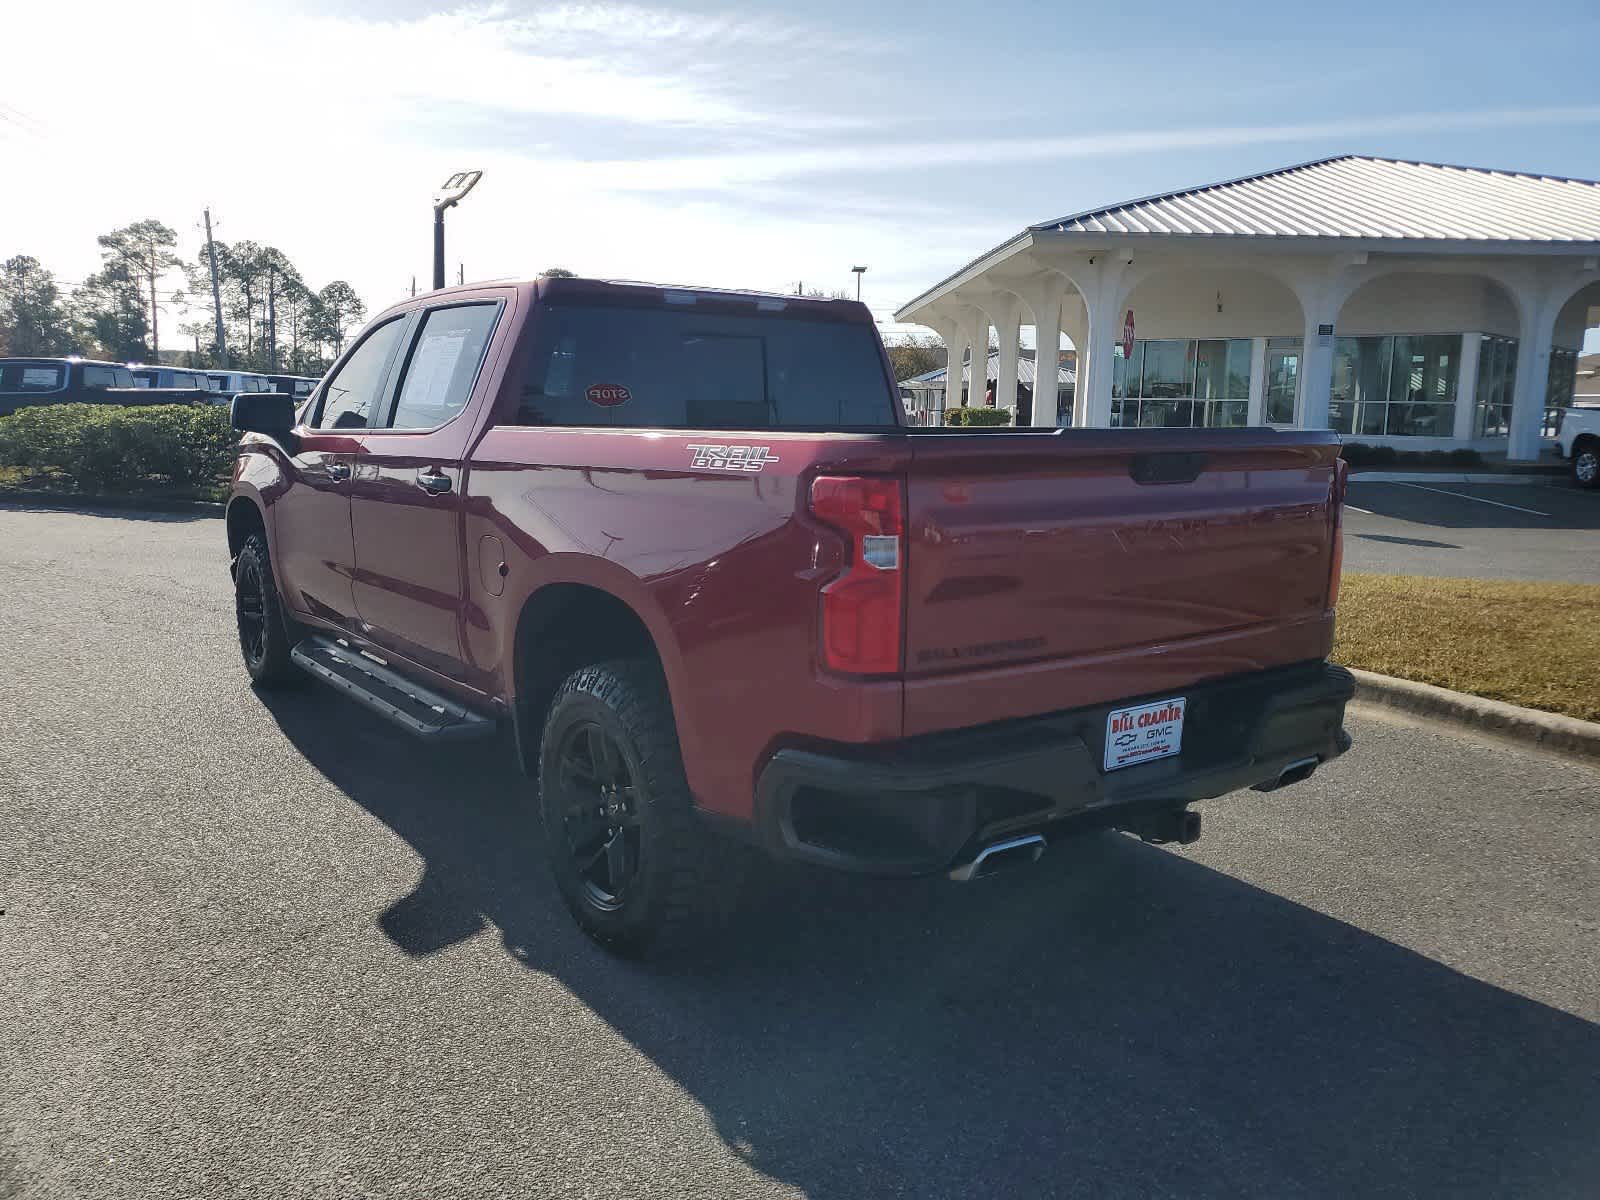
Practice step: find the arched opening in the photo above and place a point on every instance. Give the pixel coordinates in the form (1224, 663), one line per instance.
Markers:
(1577, 317)
(1212, 347)
(1052, 300)
(1426, 358)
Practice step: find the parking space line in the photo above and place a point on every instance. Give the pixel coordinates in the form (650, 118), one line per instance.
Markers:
(1463, 496)
(1353, 508)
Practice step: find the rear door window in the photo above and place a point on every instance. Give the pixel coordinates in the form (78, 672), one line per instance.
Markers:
(99, 377)
(445, 358)
(681, 369)
(31, 377)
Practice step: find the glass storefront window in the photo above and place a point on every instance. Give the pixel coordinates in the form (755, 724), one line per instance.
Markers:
(1401, 386)
(1179, 382)
(1222, 369)
(1168, 370)
(1560, 385)
(1497, 375)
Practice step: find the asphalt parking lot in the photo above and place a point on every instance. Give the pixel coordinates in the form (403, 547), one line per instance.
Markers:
(276, 950)
(1548, 530)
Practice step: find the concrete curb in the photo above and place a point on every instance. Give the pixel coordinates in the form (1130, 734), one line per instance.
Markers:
(72, 500)
(1526, 726)
(1531, 477)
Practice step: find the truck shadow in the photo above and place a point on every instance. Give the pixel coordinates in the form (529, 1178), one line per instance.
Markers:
(1118, 1020)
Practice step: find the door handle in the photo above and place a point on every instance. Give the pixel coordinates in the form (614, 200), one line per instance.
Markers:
(338, 471)
(434, 482)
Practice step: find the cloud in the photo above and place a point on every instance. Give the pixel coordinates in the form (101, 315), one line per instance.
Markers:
(579, 24)
(673, 174)
(627, 64)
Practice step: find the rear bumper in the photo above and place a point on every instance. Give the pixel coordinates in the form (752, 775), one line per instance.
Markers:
(916, 807)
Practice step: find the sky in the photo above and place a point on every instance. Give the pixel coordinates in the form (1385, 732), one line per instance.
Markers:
(747, 144)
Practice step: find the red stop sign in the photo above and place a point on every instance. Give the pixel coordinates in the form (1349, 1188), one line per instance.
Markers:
(1127, 335)
(608, 395)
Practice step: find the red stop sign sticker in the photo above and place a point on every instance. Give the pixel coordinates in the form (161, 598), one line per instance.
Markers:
(1127, 335)
(608, 395)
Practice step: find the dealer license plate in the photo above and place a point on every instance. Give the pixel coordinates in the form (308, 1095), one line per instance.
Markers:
(1144, 733)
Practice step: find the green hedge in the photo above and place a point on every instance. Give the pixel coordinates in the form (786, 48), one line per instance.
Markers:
(975, 417)
(104, 448)
(1359, 454)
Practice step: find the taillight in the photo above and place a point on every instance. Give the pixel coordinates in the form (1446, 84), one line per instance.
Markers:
(1341, 485)
(861, 610)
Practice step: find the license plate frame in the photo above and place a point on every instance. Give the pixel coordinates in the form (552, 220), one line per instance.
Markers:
(1142, 733)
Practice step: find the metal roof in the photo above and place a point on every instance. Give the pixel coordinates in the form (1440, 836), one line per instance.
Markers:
(1354, 196)
(935, 379)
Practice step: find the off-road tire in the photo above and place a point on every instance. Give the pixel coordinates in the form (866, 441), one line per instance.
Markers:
(266, 657)
(672, 892)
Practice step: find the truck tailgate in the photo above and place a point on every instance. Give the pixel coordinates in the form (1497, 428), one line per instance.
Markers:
(1051, 571)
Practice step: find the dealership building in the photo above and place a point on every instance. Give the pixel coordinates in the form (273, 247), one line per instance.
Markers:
(1416, 305)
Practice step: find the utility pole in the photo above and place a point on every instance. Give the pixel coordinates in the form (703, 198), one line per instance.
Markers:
(859, 272)
(461, 274)
(413, 285)
(155, 328)
(216, 292)
(272, 315)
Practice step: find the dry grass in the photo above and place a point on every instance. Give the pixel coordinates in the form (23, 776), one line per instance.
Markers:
(1533, 644)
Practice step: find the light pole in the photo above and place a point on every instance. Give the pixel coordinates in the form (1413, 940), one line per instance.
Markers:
(456, 187)
(860, 271)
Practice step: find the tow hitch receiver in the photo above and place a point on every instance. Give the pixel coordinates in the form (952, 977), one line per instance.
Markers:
(1165, 825)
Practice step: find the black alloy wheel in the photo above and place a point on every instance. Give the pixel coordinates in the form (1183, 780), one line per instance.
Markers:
(598, 801)
(249, 599)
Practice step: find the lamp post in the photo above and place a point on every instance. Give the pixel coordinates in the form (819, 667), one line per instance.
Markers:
(451, 194)
(860, 271)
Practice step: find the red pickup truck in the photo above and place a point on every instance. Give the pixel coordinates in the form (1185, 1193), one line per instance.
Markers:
(685, 546)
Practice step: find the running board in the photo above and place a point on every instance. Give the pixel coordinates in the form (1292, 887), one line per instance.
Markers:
(418, 710)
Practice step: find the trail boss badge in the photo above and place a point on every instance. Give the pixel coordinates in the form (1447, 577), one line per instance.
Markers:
(729, 458)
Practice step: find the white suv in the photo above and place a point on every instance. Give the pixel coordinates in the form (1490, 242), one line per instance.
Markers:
(1579, 440)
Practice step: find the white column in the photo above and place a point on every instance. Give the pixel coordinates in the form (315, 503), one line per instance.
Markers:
(1258, 382)
(1316, 368)
(1008, 327)
(1467, 384)
(1046, 305)
(1099, 283)
(1075, 323)
(1538, 326)
(1093, 407)
(950, 334)
(955, 345)
(978, 365)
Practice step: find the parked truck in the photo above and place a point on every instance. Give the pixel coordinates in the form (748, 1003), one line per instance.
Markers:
(32, 382)
(684, 545)
(1578, 441)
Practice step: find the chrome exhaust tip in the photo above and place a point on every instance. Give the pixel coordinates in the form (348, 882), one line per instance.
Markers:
(1296, 772)
(991, 860)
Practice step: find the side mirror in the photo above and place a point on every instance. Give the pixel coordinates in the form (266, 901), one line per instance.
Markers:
(269, 413)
